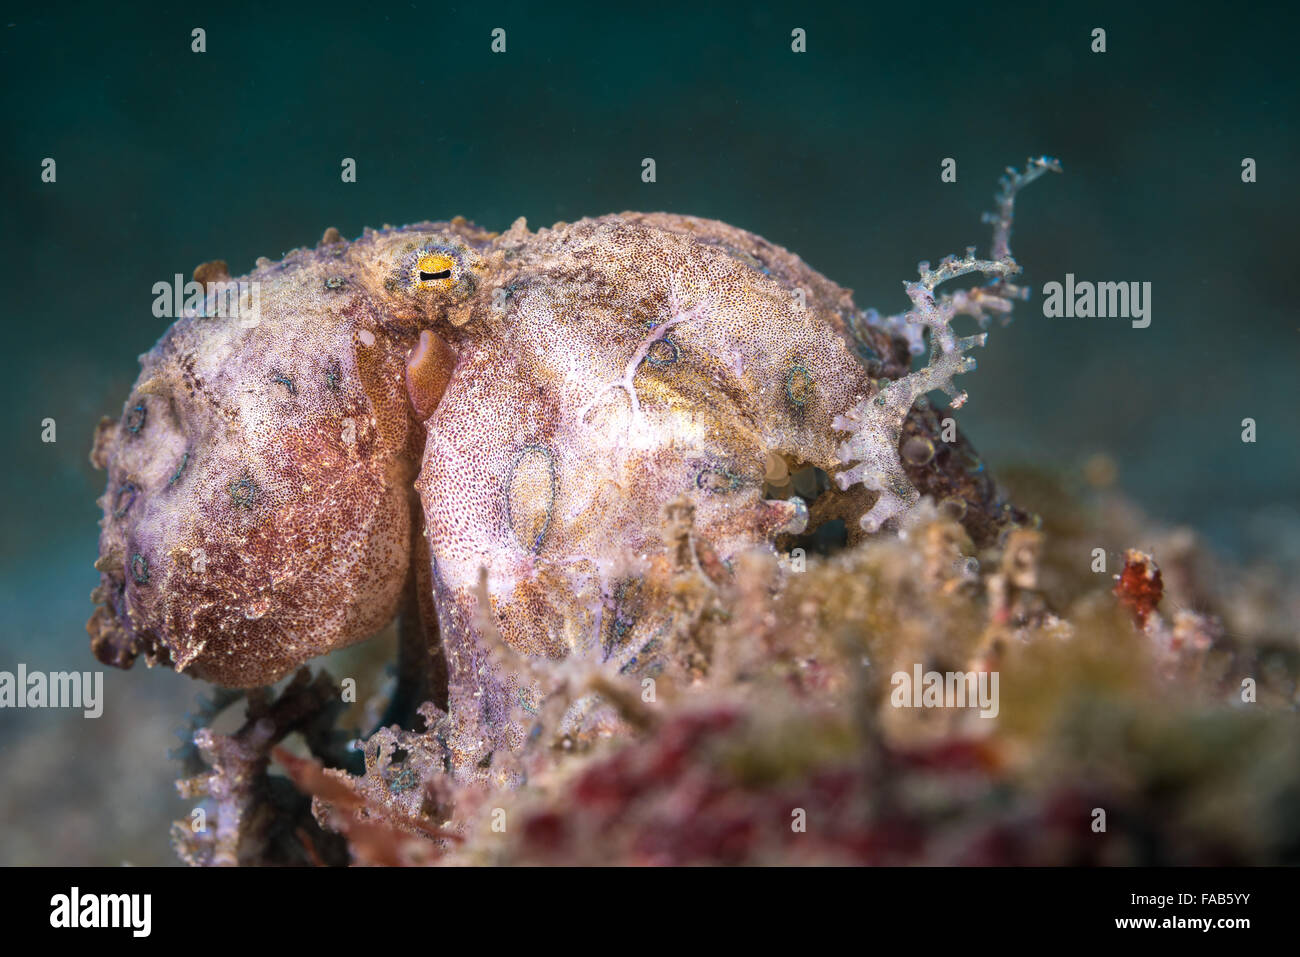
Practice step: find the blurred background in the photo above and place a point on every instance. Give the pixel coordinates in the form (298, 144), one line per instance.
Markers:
(167, 158)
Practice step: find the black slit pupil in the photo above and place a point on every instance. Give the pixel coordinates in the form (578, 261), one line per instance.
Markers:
(426, 276)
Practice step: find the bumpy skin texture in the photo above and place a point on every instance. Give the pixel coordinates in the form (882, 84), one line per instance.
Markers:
(559, 393)
(636, 361)
(258, 507)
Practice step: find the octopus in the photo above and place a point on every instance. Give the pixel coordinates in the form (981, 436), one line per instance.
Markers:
(514, 438)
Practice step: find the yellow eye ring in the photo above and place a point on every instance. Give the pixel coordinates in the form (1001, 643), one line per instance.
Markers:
(434, 271)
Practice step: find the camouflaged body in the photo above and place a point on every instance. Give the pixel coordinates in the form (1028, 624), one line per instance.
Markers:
(432, 403)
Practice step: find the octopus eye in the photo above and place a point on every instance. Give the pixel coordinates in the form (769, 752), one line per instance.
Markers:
(433, 271)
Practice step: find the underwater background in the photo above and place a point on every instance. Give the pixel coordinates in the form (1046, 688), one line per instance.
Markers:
(167, 158)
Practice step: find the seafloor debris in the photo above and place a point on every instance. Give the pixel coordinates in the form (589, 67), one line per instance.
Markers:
(788, 744)
(1139, 586)
(246, 815)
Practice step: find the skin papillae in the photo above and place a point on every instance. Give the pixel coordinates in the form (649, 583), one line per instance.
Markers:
(501, 434)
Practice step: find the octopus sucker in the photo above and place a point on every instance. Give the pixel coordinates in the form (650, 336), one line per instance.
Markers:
(519, 440)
